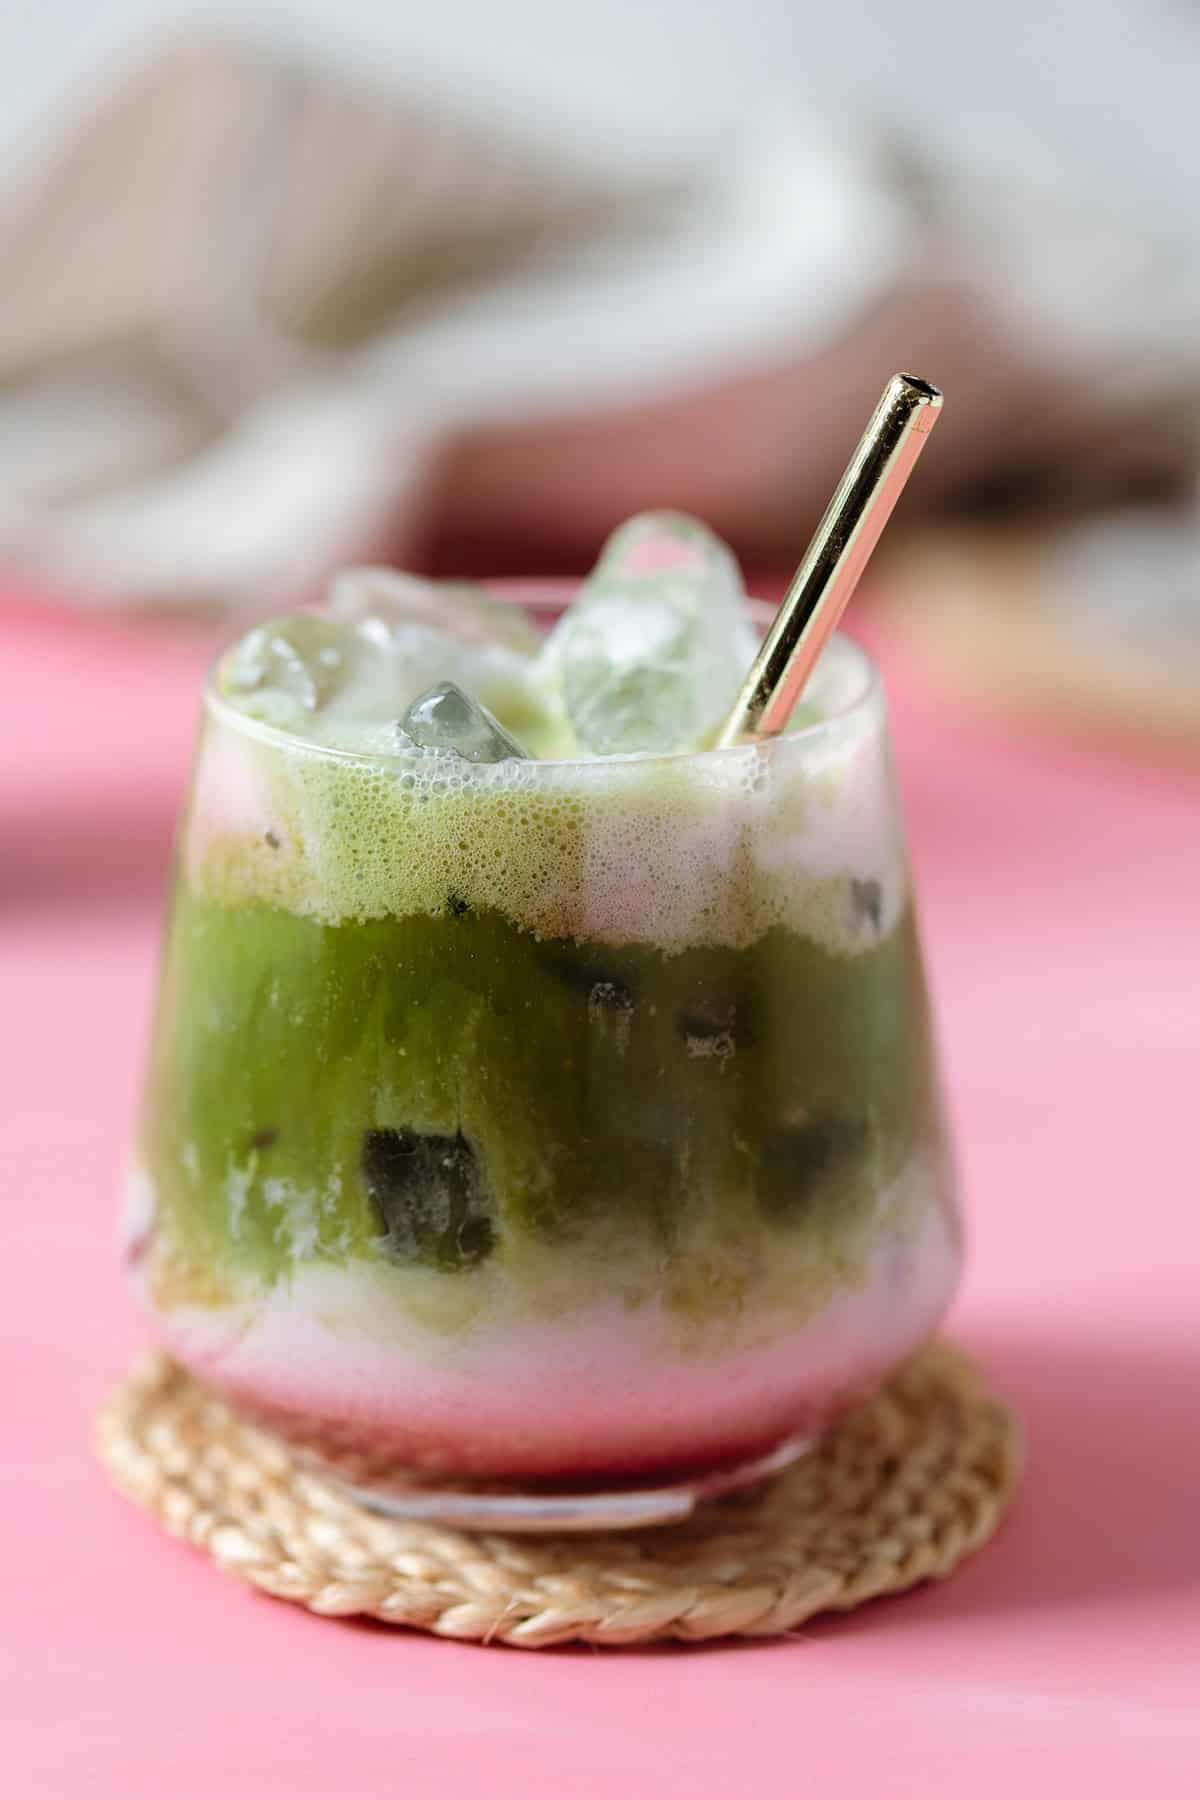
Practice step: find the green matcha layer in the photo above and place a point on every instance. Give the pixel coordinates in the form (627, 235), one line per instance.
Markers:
(447, 1091)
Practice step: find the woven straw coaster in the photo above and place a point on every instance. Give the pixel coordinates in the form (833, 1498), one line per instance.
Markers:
(897, 1493)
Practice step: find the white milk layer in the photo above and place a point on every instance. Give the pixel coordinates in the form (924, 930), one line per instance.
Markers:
(595, 1387)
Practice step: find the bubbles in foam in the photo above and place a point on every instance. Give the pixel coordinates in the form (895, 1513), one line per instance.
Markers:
(670, 851)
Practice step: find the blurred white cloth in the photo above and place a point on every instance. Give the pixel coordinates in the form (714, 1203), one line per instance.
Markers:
(259, 321)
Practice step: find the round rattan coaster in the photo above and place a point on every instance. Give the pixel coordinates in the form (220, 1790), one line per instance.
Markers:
(899, 1492)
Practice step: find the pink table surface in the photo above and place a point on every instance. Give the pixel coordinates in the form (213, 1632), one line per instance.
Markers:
(1059, 891)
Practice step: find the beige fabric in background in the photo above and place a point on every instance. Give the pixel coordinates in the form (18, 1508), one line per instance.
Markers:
(259, 320)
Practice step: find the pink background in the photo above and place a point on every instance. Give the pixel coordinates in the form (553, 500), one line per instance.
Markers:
(1060, 895)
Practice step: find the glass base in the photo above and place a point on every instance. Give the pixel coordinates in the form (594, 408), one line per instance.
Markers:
(494, 1508)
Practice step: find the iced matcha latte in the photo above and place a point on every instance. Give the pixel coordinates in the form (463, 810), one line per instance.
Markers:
(535, 1093)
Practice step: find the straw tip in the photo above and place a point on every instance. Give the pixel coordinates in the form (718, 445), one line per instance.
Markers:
(917, 392)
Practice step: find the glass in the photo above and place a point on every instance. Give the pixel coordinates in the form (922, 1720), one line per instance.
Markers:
(556, 1145)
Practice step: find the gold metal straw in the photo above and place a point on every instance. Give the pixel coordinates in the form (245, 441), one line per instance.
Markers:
(835, 559)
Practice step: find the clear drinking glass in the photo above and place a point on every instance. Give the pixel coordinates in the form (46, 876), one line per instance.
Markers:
(556, 1146)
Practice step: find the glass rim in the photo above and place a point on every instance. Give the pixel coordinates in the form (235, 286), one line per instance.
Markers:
(543, 598)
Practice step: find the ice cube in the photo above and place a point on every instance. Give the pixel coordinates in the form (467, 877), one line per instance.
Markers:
(445, 718)
(653, 650)
(430, 1198)
(816, 1169)
(343, 676)
(381, 602)
(288, 664)
(424, 632)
